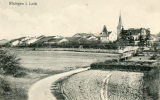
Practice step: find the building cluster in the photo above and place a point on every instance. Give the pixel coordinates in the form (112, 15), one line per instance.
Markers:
(133, 36)
(125, 37)
(29, 41)
(128, 37)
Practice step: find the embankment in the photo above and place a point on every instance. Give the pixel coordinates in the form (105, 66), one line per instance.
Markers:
(151, 71)
(102, 85)
(152, 84)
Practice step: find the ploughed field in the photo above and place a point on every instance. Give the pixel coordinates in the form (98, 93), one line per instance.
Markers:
(92, 85)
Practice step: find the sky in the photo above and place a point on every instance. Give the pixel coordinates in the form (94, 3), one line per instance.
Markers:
(68, 17)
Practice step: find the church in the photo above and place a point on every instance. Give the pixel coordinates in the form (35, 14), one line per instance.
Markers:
(104, 35)
(132, 36)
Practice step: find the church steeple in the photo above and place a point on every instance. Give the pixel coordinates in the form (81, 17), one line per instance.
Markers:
(120, 26)
(120, 20)
(104, 29)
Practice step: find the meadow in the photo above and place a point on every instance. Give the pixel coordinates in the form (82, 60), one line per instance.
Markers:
(40, 64)
(88, 85)
(60, 60)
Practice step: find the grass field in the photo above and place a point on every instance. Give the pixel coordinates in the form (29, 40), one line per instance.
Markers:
(18, 87)
(87, 85)
(59, 60)
(40, 64)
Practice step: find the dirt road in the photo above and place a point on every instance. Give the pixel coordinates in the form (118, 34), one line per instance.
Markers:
(41, 89)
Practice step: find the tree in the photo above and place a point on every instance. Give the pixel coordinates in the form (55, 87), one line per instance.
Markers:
(9, 63)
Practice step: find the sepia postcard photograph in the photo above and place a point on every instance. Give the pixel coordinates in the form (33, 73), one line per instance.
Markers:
(79, 49)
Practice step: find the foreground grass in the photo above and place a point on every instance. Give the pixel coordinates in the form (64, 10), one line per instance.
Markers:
(129, 81)
(16, 80)
(151, 70)
(16, 88)
(87, 86)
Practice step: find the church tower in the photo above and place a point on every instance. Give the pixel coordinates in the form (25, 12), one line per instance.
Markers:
(120, 26)
(104, 30)
(104, 35)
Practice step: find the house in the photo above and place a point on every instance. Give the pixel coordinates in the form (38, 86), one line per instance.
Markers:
(64, 40)
(135, 37)
(53, 40)
(112, 37)
(44, 39)
(104, 35)
(92, 38)
(16, 42)
(132, 36)
(83, 35)
(31, 40)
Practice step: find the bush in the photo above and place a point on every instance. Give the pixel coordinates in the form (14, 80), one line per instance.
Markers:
(122, 65)
(4, 87)
(20, 74)
(9, 63)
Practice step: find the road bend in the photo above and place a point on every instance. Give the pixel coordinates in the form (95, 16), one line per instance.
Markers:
(41, 89)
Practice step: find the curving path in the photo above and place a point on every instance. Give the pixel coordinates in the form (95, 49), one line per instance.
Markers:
(41, 89)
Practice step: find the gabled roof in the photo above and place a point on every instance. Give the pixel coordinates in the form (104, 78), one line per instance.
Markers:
(19, 39)
(104, 32)
(83, 35)
(44, 39)
(53, 41)
(64, 40)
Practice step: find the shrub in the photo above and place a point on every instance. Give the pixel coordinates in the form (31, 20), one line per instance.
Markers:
(4, 87)
(20, 74)
(9, 63)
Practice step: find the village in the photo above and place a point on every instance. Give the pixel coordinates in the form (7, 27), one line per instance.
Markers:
(105, 39)
(65, 67)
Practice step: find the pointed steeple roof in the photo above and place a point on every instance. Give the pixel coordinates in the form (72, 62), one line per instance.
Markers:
(120, 26)
(105, 32)
(104, 29)
(120, 21)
